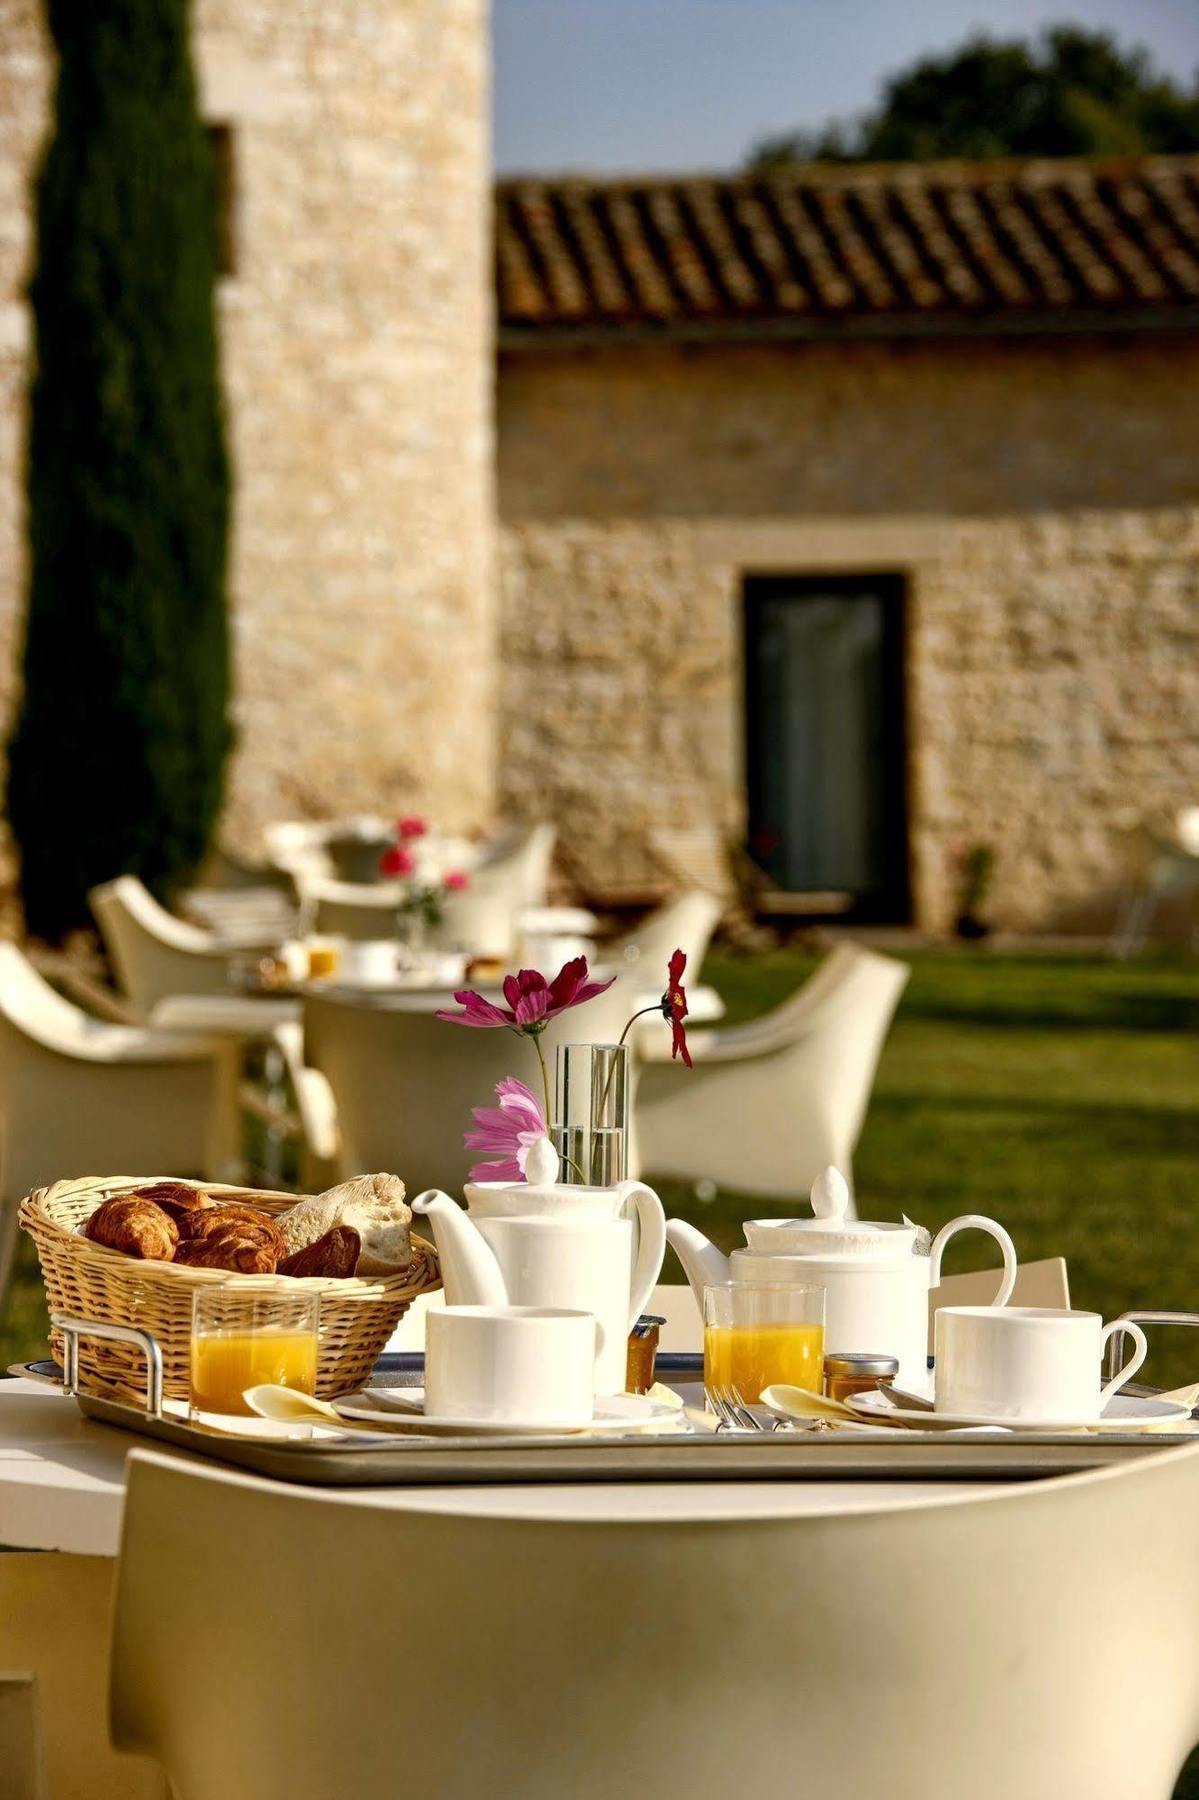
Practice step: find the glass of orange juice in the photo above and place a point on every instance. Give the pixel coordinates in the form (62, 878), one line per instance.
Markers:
(247, 1335)
(759, 1333)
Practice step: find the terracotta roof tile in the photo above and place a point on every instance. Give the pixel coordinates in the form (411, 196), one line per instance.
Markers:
(822, 246)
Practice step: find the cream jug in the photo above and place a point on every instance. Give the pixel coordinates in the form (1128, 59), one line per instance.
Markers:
(540, 1243)
(875, 1277)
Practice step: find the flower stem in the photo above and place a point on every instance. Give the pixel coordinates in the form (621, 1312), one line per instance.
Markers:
(545, 1079)
(655, 1008)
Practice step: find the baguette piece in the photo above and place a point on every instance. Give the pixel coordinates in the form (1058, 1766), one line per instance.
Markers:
(373, 1204)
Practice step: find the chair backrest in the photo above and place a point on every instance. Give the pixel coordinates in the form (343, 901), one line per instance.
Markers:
(684, 924)
(767, 1107)
(1044, 1283)
(155, 955)
(510, 875)
(354, 910)
(1037, 1639)
(22, 1752)
(30, 1005)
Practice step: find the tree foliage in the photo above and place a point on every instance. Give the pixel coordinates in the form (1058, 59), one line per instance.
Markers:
(1073, 93)
(117, 755)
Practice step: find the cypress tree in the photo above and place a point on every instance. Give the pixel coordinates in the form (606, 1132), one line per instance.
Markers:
(117, 755)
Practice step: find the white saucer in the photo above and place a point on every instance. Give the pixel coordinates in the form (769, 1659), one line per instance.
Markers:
(400, 1406)
(1123, 1412)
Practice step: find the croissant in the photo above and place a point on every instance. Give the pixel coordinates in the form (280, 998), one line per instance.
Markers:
(335, 1255)
(134, 1225)
(237, 1238)
(200, 1221)
(176, 1198)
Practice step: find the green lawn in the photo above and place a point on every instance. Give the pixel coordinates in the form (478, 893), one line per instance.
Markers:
(1060, 1094)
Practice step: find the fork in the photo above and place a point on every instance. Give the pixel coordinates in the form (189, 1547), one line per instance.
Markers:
(732, 1411)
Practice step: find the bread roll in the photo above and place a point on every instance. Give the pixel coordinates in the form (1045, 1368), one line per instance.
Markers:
(374, 1205)
(335, 1255)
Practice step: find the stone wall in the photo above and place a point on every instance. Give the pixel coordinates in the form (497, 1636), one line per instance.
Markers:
(357, 358)
(1040, 500)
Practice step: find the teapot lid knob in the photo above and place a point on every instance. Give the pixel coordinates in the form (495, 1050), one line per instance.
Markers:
(541, 1163)
(830, 1194)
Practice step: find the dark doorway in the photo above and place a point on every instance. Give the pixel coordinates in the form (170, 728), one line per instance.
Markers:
(825, 747)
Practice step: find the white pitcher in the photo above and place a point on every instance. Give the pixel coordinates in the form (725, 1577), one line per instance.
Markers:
(545, 1244)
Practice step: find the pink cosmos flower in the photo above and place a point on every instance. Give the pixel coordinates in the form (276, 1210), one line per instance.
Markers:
(411, 826)
(506, 1132)
(456, 880)
(532, 1000)
(397, 861)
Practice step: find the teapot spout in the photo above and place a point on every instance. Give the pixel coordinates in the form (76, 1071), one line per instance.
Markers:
(469, 1270)
(703, 1264)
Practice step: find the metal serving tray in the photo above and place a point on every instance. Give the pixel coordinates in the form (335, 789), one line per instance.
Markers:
(416, 1461)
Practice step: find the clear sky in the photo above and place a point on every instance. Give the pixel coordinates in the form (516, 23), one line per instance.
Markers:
(640, 85)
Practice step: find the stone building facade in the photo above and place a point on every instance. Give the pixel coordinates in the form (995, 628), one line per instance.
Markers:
(1019, 480)
(356, 326)
(869, 498)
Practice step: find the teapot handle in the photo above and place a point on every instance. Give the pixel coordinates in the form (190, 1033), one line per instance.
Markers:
(651, 1250)
(977, 1222)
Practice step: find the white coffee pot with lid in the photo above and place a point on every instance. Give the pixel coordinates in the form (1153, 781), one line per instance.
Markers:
(876, 1276)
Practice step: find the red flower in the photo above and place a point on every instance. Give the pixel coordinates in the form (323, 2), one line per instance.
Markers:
(456, 880)
(411, 826)
(532, 1000)
(398, 861)
(674, 1007)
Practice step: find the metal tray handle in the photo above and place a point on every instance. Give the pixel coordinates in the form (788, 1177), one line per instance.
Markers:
(73, 1329)
(1115, 1344)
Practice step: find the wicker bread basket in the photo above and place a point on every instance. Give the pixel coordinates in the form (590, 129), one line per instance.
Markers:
(89, 1281)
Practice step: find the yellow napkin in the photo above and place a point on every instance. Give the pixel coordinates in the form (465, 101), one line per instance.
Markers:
(288, 1406)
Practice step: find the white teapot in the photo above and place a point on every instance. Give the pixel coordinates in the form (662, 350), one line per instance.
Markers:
(876, 1279)
(541, 1243)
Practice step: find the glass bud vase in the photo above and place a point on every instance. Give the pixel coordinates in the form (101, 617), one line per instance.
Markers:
(411, 935)
(591, 1113)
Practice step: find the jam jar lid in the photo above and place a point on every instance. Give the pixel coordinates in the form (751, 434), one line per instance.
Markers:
(860, 1362)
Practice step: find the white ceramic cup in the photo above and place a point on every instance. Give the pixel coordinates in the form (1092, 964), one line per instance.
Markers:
(1027, 1362)
(372, 961)
(512, 1365)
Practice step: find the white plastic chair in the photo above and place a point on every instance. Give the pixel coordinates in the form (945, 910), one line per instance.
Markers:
(82, 1096)
(770, 1104)
(684, 924)
(510, 877)
(155, 955)
(1038, 1640)
(1156, 869)
(22, 1753)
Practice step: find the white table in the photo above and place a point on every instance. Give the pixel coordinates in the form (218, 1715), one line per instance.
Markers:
(62, 1485)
